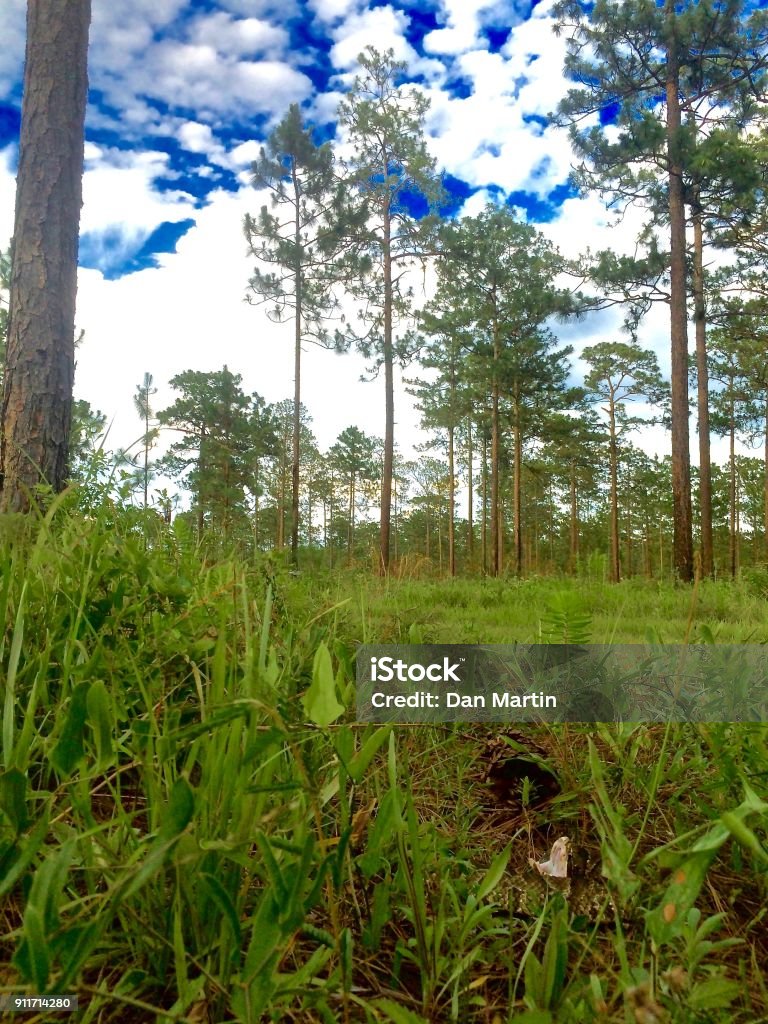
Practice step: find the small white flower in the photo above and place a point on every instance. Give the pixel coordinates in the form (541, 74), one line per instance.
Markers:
(557, 865)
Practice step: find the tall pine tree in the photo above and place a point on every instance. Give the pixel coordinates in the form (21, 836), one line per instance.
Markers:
(389, 171)
(295, 237)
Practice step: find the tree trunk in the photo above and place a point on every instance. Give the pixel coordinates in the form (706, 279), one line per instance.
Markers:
(351, 523)
(281, 491)
(702, 392)
(495, 459)
(146, 459)
(732, 486)
(40, 355)
(574, 521)
(439, 543)
(629, 535)
(200, 477)
(681, 459)
(451, 508)
(517, 491)
(330, 524)
(296, 464)
(614, 517)
(256, 505)
(471, 497)
(484, 524)
(389, 398)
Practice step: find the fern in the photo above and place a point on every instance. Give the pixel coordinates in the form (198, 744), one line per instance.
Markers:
(565, 621)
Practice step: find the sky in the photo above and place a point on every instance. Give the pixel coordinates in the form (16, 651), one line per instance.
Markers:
(182, 96)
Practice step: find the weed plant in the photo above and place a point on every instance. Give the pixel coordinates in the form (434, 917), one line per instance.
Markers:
(193, 828)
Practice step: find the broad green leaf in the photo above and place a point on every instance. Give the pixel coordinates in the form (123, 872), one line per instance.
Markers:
(33, 956)
(362, 759)
(9, 704)
(555, 961)
(320, 701)
(713, 994)
(69, 749)
(744, 835)
(28, 851)
(178, 813)
(175, 818)
(13, 798)
(254, 988)
(398, 1014)
(101, 717)
(494, 874)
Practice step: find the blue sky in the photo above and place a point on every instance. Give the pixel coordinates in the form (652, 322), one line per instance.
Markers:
(182, 94)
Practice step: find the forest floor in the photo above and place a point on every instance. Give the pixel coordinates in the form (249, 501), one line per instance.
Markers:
(194, 828)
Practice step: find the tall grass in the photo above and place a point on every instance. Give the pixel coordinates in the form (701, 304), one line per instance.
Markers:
(192, 827)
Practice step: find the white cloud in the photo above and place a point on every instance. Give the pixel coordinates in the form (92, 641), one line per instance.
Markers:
(464, 19)
(7, 190)
(190, 314)
(275, 9)
(382, 27)
(196, 137)
(116, 229)
(497, 145)
(12, 31)
(217, 64)
(329, 11)
(242, 37)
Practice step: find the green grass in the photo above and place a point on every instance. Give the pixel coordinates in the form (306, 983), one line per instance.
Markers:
(511, 610)
(192, 828)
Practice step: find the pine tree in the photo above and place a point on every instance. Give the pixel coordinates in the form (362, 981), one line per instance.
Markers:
(573, 445)
(87, 429)
(142, 401)
(735, 355)
(657, 72)
(620, 372)
(446, 399)
(295, 237)
(354, 455)
(213, 458)
(497, 276)
(388, 173)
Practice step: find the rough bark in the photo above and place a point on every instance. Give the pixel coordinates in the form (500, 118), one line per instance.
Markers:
(40, 355)
(681, 460)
